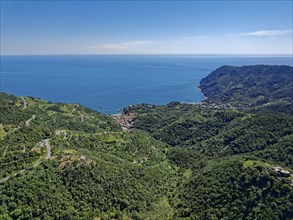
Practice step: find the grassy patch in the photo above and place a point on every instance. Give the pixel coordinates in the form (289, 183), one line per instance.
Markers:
(69, 151)
(254, 163)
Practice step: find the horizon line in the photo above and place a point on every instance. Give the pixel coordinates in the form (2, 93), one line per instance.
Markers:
(150, 54)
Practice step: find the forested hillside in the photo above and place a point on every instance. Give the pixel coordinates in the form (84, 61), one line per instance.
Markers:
(250, 85)
(228, 158)
(95, 170)
(178, 161)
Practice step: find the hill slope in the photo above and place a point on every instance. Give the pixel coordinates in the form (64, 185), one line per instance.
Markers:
(180, 161)
(95, 170)
(250, 85)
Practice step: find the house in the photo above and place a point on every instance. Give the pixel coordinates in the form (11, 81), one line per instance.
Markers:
(281, 171)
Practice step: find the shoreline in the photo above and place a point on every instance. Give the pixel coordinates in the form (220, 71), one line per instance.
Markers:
(199, 90)
(109, 114)
(117, 114)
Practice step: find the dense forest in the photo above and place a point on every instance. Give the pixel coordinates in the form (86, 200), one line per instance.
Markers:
(250, 85)
(178, 161)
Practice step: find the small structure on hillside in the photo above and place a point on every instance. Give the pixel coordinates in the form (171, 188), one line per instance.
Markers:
(281, 171)
(61, 133)
(41, 143)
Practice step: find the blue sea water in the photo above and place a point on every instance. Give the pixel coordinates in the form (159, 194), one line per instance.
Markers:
(111, 82)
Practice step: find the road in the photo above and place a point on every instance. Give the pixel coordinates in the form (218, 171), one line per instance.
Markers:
(49, 149)
(27, 123)
(49, 154)
(74, 109)
(24, 102)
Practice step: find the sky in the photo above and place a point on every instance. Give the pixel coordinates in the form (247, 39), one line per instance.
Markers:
(146, 27)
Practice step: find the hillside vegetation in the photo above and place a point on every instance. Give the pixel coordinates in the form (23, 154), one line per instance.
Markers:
(96, 170)
(250, 85)
(228, 157)
(179, 161)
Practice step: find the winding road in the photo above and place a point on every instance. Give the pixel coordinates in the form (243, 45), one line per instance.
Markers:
(49, 154)
(27, 123)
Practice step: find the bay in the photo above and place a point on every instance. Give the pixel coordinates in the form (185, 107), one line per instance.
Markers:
(108, 83)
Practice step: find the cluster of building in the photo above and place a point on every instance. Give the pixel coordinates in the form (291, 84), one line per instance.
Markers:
(214, 105)
(220, 105)
(125, 121)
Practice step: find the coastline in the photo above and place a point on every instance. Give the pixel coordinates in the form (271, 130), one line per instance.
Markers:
(92, 91)
(113, 115)
(199, 90)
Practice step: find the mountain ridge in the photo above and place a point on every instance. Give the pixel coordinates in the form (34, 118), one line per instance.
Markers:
(252, 85)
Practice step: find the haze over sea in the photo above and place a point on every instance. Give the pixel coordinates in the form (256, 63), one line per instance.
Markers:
(108, 83)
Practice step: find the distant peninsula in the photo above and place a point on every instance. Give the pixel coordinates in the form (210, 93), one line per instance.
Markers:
(249, 85)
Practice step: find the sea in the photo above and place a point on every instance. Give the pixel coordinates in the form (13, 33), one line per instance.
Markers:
(108, 83)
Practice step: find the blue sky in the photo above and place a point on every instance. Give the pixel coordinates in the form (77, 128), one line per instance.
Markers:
(146, 27)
